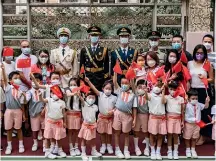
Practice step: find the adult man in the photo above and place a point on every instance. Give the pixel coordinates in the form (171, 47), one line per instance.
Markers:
(154, 39)
(95, 59)
(124, 54)
(64, 58)
(177, 43)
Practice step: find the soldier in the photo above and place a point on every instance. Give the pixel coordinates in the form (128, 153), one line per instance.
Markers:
(63, 58)
(124, 54)
(95, 59)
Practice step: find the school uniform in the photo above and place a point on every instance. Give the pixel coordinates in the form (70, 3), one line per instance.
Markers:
(105, 121)
(54, 120)
(157, 118)
(192, 115)
(140, 74)
(123, 113)
(173, 108)
(89, 125)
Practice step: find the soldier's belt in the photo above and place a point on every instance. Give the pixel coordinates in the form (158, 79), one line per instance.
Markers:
(93, 70)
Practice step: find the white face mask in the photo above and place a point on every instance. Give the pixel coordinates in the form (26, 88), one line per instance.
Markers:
(17, 81)
(194, 102)
(124, 40)
(55, 82)
(72, 87)
(43, 60)
(107, 92)
(207, 45)
(153, 43)
(151, 63)
(94, 39)
(140, 92)
(172, 60)
(156, 90)
(90, 101)
(9, 58)
(171, 92)
(54, 97)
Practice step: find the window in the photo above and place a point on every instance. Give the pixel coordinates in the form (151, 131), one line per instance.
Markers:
(107, 1)
(123, 1)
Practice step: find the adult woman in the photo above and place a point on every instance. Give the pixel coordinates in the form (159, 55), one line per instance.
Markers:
(198, 71)
(43, 66)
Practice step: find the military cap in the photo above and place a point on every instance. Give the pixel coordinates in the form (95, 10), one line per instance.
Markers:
(94, 30)
(123, 31)
(154, 34)
(63, 31)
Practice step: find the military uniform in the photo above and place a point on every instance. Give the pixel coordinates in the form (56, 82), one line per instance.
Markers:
(125, 58)
(95, 61)
(65, 59)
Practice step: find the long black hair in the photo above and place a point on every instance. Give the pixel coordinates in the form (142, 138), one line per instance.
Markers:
(48, 64)
(200, 46)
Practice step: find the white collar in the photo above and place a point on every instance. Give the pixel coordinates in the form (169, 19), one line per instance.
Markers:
(66, 47)
(126, 49)
(96, 46)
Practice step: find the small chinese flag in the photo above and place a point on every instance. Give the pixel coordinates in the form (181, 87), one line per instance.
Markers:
(183, 57)
(135, 65)
(57, 91)
(24, 63)
(186, 73)
(201, 124)
(82, 70)
(130, 74)
(84, 88)
(160, 72)
(179, 92)
(206, 65)
(205, 81)
(151, 78)
(7, 51)
(177, 67)
(117, 68)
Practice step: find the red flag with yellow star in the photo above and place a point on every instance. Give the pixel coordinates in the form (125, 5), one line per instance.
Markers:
(24, 63)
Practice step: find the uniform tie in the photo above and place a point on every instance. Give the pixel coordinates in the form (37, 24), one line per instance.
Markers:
(124, 51)
(63, 51)
(93, 49)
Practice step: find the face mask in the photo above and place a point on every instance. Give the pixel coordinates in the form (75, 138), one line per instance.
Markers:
(9, 58)
(153, 43)
(172, 60)
(54, 97)
(107, 92)
(151, 63)
(194, 102)
(55, 82)
(171, 92)
(140, 92)
(156, 90)
(207, 46)
(176, 46)
(17, 81)
(26, 51)
(124, 87)
(124, 40)
(199, 56)
(43, 60)
(94, 39)
(90, 101)
(63, 40)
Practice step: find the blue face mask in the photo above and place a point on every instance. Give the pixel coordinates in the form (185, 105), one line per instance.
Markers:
(94, 39)
(63, 39)
(26, 51)
(124, 87)
(176, 46)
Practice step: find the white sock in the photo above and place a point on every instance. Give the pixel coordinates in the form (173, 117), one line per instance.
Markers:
(52, 144)
(147, 142)
(76, 145)
(192, 149)
(47, 150)
(83, 148)
(158, 150)
(136, 143)
(176, 147)
(103, 145)
(93, 148)
(117, 148)
(125, 148)
(56, 146)
(71, 145)
(152, 149)
(35, 141)
(9, 144)
(21, 143)
(169, 148)
(44, 143)
(187, 149)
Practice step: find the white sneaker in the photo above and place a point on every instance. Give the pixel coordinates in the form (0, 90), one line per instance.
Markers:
(110, 149)
(8, 150)
(146, 152)
(169, 154)
(158, 156)
(21, 149)
(49, 155)
(119, 154)
(188, 153)
(138, 151)
(127, 154)
(61, 153)
(34, 147)
(77, 151)
(72, 152)
(102, 149)
(56, 149)
(96, 153)
(84, 157)
(175, 155)
(194, 154)
(153, 156)
(44, 149)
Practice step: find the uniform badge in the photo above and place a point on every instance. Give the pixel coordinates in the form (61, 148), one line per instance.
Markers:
(100, 53)
(131, 55)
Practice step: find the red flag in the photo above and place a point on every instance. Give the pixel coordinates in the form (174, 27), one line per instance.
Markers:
(151, 78)
(82, 70)
(135, 65)
(160, 72)
(130, 74)
(179, 92)
(24, 63)
(201, 124)
(183, 57)
(7, 51)
(117, 68)
(205, 81)
(186, 73)
(84, 88)
(206, 65)
(177, 67)
(57, 91)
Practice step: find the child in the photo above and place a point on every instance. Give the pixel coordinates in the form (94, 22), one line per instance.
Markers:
(213, 112)
(141, 73)
(73, 116)
(157, 120)
(9, 64)
(88, 129)
(124, 115)
(14, 114)
(192, 116)
(106, 103)
(36, 111)
(142, 117)
(55, 121)
(175, 118)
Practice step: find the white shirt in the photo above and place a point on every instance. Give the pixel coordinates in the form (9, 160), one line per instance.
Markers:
(55, 108)
(106, 103)
(96, 46)
(9, 67)
(194, 72)
(155, 104)
(174, 104)
(126, 50)
(89, 112)
(193, 113)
